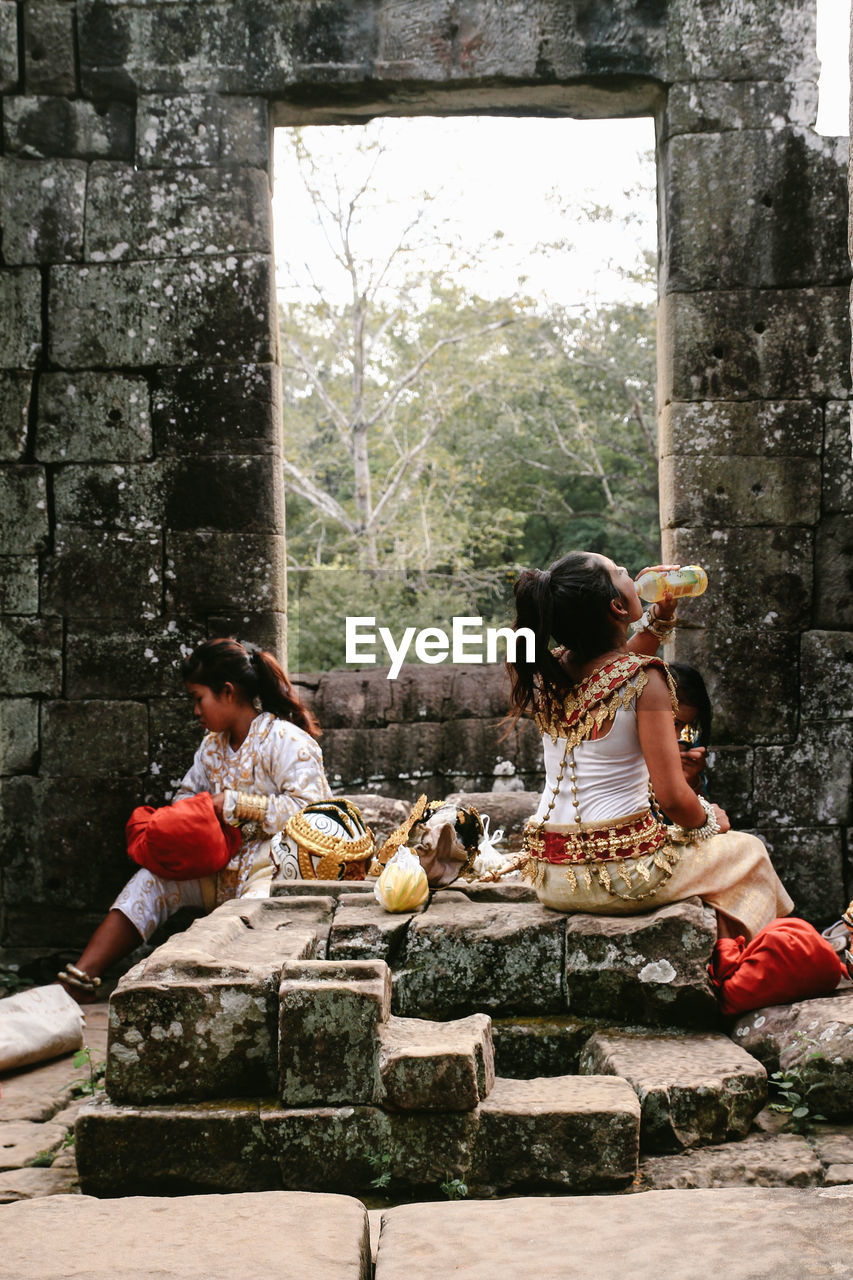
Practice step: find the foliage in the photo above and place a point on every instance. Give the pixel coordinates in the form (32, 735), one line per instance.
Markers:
(381, 1164)
(13, 981)
(42, 1160)
(436, 440)
(796, 1085)
(454, 1188)
(93, 1081)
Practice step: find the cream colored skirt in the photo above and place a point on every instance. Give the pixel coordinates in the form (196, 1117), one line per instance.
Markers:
(732, 873)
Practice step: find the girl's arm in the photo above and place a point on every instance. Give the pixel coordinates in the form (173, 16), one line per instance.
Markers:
(292, 774)
(659, 745)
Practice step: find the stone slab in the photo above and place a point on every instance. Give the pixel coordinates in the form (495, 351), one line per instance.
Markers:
(363, 930)
(23, 501)
(807, 783)
(92, 417)
(49, 47)
(739, 490)
(760, 1160)
(198, 1017)
(20, 318)
(824, 655)
(199, 1237)
(22, 1140)
(649, 968)
(8, 46)
(773, 344)
(838, 460)
(164, 312)
(185, 129)
(41, 126)
(497, 958)
(436, 1066)
(739, 1233)
(19, 736)
(175, 1149)
(565, 1133)
(134, 213)
(693, 1089)
(227, 408)
(329, 1017)
(33, 1183)
(774, 1036)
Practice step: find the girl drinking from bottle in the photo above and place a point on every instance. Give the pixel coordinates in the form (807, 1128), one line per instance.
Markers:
(605, 706)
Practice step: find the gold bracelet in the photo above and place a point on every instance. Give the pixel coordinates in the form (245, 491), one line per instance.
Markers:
(250, 808)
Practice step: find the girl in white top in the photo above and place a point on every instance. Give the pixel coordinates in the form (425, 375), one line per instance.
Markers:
(260, 762)
(605, 705)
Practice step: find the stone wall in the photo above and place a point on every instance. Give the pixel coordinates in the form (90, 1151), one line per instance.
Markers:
(139, 381)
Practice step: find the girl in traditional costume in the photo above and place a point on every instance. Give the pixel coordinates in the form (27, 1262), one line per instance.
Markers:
(260, 763)
(605, 705)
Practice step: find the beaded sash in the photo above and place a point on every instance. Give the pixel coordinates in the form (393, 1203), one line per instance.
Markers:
(640, 837)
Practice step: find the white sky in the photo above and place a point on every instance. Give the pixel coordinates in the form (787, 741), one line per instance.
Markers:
(509, 176)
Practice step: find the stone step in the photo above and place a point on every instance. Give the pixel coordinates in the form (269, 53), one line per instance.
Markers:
(330, 1016)
(760, 1160)
(436, 1066)
(364, 930)
(187, 1238)
(545, 1046)
(571, 1134)
(678, 1235)
(197, 1018)
(463, 957)
(649, 969)
(779, 1034)
(694, 1089)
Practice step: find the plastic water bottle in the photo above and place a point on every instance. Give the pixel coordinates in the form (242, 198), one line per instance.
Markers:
(687, 580)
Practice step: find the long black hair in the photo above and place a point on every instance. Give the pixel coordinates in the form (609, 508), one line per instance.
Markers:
(254, 673)
(569, 602)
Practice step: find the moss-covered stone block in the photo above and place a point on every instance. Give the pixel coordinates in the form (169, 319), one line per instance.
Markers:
(649, 968)
(753, 428)
(330, 1013)
(183, 130)
(42, 206)
(807, 783)
(198, 1018)
(92, 738)
(19, 735)
(497, 958)
(436, 1066)
(32, 655)
(756, 208)
(810, 863)
(566, 1133)
(19, 584)
(172, 1150)
(693, 1089)
(93, 417)
(23, 501)
(20, 318)
(739, 491)
(15, 393)
(49, 47)
(227, 408)
(135, 213)
(41, 126)
(164, 312)
(82, 560)
(547, 1046)
(769, 344)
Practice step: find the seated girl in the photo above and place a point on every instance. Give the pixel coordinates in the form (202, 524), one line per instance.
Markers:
(260, 762)
(605, 706)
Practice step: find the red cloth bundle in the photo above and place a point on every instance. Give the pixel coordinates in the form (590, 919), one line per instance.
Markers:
(787, 960)
(181, 841)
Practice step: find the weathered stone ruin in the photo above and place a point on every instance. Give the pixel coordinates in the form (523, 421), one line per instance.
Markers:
(314, 1042)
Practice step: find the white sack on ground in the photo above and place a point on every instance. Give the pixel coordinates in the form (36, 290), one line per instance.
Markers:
(41, 1023)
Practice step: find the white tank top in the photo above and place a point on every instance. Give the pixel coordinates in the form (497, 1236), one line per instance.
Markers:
(610, 772)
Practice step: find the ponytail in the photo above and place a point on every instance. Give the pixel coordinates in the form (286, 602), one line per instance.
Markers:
(570, 602)
(255, 673)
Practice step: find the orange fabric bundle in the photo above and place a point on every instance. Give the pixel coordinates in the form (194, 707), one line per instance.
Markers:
(181, 841)
(787, 960)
